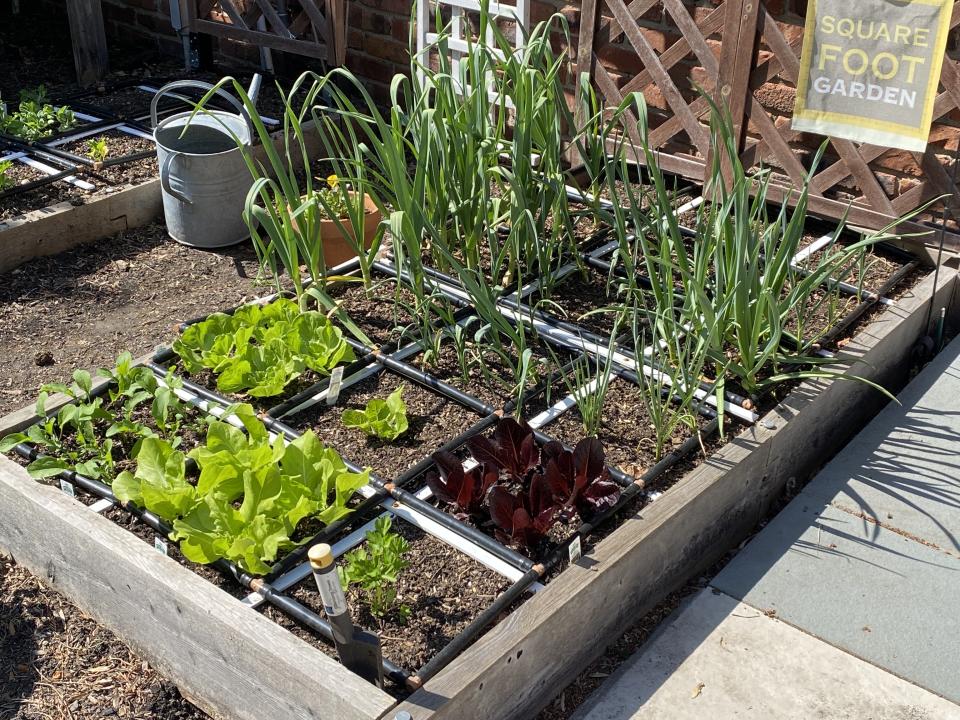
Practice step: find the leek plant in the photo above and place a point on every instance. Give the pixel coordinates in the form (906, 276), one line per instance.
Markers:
(734, 285)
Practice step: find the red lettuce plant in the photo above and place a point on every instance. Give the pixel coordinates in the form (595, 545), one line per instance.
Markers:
(526, 488)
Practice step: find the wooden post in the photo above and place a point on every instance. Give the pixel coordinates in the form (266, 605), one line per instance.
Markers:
(737, 61)
(89, 40)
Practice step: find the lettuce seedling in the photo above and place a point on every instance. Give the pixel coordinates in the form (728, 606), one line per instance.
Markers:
(160, 481)
(385, 419)
(260, 349)
(375, 569)
(261, 370)
(277, 485)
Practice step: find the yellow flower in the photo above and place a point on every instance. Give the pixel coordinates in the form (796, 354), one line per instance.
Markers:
(333, 181)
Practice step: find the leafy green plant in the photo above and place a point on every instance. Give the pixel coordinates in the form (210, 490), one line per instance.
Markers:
(385, 419)
(251, 493)
(97, 150)
(375, 567)
(69, 436)
(35, 117)
(6, 182)
(331, 202)
(259, 350)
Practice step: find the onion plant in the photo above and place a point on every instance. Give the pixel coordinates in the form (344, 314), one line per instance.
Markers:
(675, 362)
(733, 286)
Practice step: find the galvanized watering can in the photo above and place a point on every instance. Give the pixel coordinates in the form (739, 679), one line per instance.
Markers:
(202, 172)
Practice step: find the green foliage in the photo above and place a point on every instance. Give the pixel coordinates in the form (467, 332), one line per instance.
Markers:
(35, 117)
(251, 493)
(6, 182)
(283, 218)
(97, 150)
(69, 436)
(382, 418)
(261, 349)
(375, 569)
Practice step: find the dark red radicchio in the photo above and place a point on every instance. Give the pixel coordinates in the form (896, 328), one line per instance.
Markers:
(464, 489)
(513, 448)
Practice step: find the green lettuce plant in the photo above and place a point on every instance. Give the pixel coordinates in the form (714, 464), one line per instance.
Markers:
(251, 493)
(259, 350)
(385, 419)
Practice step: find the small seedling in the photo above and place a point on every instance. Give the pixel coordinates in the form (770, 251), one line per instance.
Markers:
(6, 182)
(385, 419)
(375, 568)
(330, 199)
(97, 150)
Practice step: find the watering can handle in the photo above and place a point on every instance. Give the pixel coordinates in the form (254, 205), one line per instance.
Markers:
(241, 110)
(165, 180)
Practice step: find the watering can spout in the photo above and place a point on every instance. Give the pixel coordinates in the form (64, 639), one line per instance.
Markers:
(254, 88)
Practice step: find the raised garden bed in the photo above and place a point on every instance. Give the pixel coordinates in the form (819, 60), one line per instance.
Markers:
(750, 456)
(547, 475)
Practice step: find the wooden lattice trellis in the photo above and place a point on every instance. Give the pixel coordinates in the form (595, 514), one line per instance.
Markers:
(739, 53)
(316, 28)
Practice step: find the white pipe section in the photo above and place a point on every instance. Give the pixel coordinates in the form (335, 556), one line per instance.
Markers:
(48, 170)
(811, 249)
(100, 505)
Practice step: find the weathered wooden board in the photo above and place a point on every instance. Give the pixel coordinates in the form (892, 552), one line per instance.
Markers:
(89, 39)
(230, 660)
(63, 226)
(528, 658)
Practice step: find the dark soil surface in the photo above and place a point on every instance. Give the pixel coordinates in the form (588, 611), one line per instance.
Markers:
(443, 595)
(119, 144)
(82, 307)
(626, 431)
(433, 420)
(578, 296)
(380, 311)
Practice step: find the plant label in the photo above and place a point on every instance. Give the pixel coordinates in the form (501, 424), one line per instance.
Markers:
(336, 380)
(334, 602)
(160, 545)
(575, 550)
(67, 488)
(870, 69)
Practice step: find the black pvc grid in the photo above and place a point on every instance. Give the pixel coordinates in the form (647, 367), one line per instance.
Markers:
(391, 496)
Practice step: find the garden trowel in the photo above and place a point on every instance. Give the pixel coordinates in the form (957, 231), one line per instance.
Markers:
(359, 650)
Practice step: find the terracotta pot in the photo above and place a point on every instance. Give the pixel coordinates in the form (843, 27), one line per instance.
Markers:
(336, 248)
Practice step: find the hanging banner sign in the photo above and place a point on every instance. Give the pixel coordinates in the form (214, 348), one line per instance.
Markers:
(870, 69)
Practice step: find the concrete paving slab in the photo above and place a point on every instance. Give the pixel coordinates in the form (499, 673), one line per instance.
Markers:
(903, 469)
(717, 658)
(866, 589)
